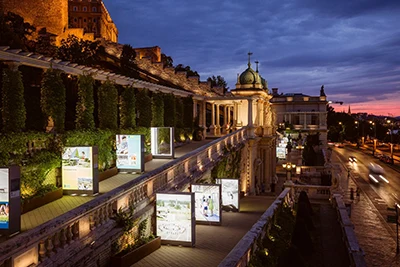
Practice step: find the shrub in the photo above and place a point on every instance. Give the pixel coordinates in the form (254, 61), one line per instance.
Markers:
(144, 112)
(108, 106)
(157, 110)
(85, 104)
(128, 106)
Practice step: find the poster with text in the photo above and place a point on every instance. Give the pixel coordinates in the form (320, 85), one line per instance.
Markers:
(281, 152)
(175, 220)
(230, 194)
(207, 202)
(129, 152)
(4, 199)
(77, 168)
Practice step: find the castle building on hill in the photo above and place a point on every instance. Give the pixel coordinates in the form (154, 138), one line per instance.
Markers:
(86, 19)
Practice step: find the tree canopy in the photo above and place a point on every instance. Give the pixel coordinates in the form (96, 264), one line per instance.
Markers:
(189, 71)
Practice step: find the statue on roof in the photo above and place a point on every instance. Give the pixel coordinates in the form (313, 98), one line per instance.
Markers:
(322, 92)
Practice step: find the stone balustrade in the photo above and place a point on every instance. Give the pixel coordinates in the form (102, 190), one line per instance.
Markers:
(356, 254)
(83, 227)
(240, 255)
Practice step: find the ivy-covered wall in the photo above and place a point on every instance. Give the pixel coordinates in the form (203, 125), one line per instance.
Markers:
(229, 166)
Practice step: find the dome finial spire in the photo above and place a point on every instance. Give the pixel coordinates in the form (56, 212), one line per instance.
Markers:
(256, 65)
(248, 64)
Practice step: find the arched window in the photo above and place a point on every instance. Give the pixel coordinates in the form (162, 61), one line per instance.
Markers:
(84, 20)
(75, 20)
(94, 9)
(75, 8)
(94, 20)
(84, 9)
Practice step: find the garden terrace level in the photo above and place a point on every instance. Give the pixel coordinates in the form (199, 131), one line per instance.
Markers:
(20, 57)
(88, 231)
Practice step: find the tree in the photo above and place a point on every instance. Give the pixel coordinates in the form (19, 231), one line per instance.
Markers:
(85, 104)
(127, 59)
(189, 71)
(128, 106)
(218, 81)
(167, 60)
(80, 51)
(13, 107)
(108, 106)
(14, 31)
(45, 45)
(53, 98)
(157, 110)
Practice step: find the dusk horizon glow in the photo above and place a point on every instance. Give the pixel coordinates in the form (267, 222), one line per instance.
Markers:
(351, 48)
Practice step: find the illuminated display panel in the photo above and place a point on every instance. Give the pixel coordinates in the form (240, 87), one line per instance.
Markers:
(4, 199)
(207, 202)
(78, 166)
(162, 142)
(230, 194)
(281, 152)
(130, 152)
(175, 218)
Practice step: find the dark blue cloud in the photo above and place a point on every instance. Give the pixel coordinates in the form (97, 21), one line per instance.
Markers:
(352, 47)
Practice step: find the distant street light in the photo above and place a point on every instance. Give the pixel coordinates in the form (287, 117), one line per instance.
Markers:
(391, 140)
(288, 166)
(373, 124)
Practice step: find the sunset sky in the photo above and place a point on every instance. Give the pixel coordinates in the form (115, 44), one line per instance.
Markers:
(352, 47)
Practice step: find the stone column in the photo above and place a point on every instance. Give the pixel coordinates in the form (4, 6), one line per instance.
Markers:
(212, 126)
(217, 126)
(225, 119)
(305, 121)
(195, 109)
(250, 118)
(203, 116)
(235, 114)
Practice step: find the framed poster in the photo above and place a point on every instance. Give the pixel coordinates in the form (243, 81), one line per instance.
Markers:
(80, 170)
(175, 218)
(4, 198)
(10, 200)
(162, 142)
(281, 152)
(207, 203)
(230, 194)
(130, 153)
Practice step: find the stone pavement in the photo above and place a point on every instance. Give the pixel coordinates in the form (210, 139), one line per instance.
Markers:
(56, 208)
(375, 236)
(213, 243)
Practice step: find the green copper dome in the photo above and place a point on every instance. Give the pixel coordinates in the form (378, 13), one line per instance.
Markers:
(249, 76)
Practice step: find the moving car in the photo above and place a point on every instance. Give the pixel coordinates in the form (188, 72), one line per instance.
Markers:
(376, 173)
(352, 159)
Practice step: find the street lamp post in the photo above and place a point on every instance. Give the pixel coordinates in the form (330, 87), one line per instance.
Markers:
(391, 140)
(358, 133)
(288, 166)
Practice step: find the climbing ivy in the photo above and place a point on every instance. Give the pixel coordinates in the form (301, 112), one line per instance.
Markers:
(157, 110)
(144, 110)
(169, 110)
(188, 112)
(229, 166)
(13, 107)
(128, 105)
(179, 112)
(53, 98)
(85, 104)
(108, 106)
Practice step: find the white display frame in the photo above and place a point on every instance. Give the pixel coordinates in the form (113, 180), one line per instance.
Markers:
(167, 223)
(230, 194)
(133, 149)
(156, 147)
(207, 200)
(85, 166)
(10, 200)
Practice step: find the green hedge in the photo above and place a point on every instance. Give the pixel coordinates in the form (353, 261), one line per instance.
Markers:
(128, 106)
(169, 110)
(85, 105)
(157, 110)
(144, 111)
(108, 106)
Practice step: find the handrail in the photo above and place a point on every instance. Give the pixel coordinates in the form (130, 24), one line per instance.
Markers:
(76, 224)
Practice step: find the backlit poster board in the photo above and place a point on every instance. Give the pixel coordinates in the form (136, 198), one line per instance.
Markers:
(162, 142)
(175, 218)
(4, 199)
(80, 170)
(130, 153)
(281, 152)
(207, 203)
(10, 200)
(230, 194)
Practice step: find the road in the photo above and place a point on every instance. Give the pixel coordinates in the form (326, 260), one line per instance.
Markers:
(388, 194)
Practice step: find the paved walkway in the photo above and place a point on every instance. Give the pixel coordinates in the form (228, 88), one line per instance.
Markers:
(56, 208)
(213, 243)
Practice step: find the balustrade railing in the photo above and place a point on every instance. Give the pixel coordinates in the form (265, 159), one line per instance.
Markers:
(45, 241)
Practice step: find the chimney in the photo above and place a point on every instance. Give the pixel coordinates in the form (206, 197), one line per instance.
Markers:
(274, 91)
